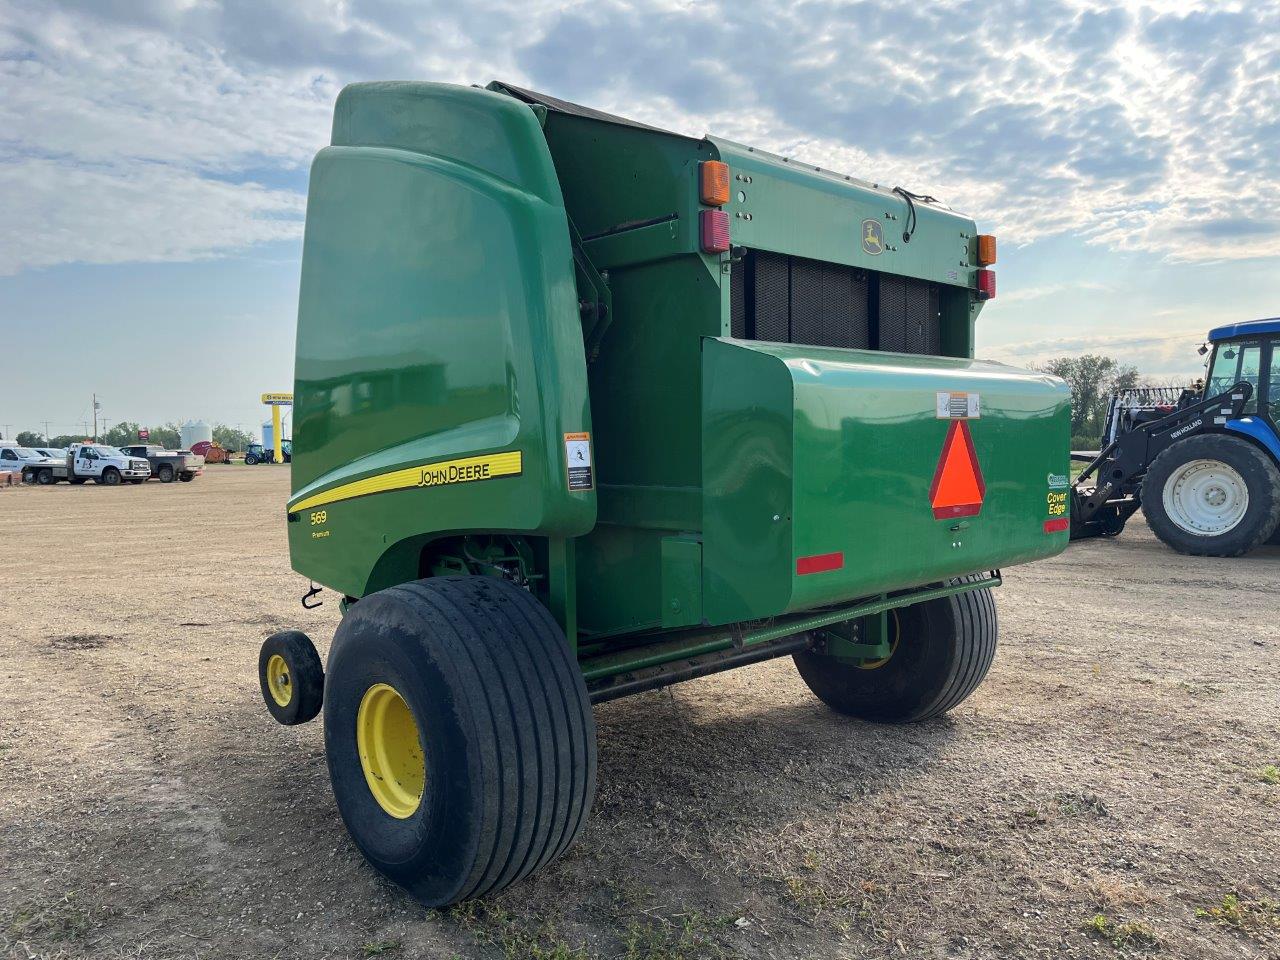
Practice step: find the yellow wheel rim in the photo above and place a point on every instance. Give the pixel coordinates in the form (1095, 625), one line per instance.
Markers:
(279, 682)
(896, 630)
(390, 751)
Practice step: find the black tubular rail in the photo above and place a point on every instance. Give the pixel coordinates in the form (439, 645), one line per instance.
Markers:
(700, 653)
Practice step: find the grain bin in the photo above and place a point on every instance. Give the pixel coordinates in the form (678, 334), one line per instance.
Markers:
(196, 432)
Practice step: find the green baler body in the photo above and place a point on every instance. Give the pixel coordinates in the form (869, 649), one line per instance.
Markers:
(441, 363)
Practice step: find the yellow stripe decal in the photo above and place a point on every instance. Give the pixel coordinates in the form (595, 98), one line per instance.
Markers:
(465, 470)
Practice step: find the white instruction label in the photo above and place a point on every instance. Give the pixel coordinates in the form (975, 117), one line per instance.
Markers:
(958, 406)
(577, 454)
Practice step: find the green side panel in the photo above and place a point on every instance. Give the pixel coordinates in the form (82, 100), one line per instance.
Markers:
(437, 320)
(681, 582)
(810, 451)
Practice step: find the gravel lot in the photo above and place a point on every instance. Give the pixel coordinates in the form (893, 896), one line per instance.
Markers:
(1112, 789)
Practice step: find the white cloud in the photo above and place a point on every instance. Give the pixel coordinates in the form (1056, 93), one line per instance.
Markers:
(64, 214)
(1139, 126)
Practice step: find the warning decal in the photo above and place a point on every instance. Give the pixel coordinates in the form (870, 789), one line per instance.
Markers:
(577, 454)
(958, 488)
(953, 405)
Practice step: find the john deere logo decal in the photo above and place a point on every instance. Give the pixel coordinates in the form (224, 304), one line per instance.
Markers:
(872, 237)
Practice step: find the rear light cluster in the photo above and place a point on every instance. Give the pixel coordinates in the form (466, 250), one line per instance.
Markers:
(986, 255)
(713, 190)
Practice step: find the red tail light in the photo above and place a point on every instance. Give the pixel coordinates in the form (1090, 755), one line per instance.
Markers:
(986, 284)
(713, 226)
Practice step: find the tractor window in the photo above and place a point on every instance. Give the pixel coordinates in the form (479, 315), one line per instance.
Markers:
(1233, 362)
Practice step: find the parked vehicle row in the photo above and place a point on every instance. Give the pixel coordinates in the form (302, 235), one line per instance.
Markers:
(100, 463)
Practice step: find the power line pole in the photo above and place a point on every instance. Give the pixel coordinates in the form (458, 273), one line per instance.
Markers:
(95, 418)
(46, 431)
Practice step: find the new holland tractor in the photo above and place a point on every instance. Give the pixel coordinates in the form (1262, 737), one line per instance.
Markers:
(1204, 467)
(584, 408)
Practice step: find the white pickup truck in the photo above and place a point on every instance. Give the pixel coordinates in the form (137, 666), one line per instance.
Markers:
(89, 461)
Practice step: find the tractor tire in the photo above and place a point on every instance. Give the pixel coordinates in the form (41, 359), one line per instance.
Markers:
(1212, 495)
(942, 649)
(110, 477)
(250, 459)
(165, 473)
(459, 735)
(291, 677)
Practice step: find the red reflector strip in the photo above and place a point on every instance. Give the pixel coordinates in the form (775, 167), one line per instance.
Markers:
(959, 510)
(819, 563)
(1057, 525)
(713, 228)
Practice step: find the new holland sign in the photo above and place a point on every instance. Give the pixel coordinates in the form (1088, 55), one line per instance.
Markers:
(278, 399)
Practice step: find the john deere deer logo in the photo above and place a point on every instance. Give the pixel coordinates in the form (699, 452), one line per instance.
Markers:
(872, 237)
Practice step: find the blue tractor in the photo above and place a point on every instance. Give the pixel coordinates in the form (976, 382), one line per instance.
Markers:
(1205, 466)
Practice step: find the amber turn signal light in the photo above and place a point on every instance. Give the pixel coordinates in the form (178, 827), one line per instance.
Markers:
(986, 249)
(713, 183)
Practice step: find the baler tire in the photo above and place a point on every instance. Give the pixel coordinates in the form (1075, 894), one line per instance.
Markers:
(1261, 517)
(165, 473)
(502, 724)
(943, 651)
(303, 689)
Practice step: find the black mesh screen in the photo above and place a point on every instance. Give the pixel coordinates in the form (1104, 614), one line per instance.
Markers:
(909, 321)
(829, 305)
(786, 299)
(772, 301)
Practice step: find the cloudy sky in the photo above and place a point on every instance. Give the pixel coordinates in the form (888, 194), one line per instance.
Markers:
(154, 153)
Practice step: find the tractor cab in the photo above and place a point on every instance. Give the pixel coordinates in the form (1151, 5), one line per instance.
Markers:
(1247, 353)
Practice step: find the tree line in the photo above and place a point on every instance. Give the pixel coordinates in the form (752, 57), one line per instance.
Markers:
(126, 432)
(1093, 379)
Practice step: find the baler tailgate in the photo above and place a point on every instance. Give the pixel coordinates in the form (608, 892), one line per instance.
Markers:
(831, 474)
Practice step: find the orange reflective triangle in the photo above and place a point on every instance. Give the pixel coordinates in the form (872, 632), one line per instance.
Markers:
(958, 487)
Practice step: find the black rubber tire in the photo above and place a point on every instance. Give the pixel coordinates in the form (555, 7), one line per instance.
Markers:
(944, 649)
(165, 473)
(110, 477)
(505, 728)
(306, 675)
(44, 478)
(186, 477)
(250, 460)
(1261, 518)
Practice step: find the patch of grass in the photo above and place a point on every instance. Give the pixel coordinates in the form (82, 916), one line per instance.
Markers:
(1269, 774)
(1122, 934)
(516, 939)
(1081, 803)
(665, 941)
(1245, 914)
(65, 920)
(377, 948)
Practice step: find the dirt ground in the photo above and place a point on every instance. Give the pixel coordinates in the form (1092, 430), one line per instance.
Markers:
(1112, 789)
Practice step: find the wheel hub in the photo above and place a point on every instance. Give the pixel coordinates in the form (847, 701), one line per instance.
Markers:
(1206, 497)
(278, 680)
(390, 751)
